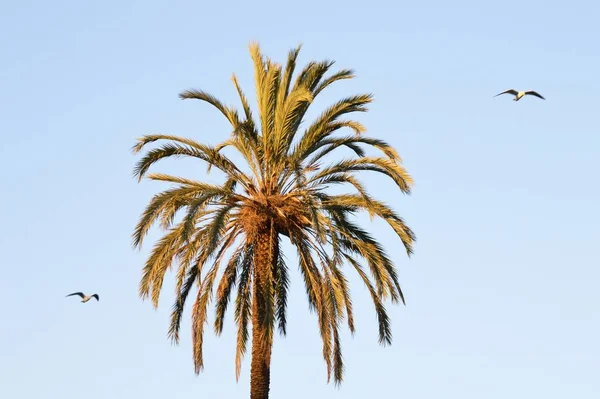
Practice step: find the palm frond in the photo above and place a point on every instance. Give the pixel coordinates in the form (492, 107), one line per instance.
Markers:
(243, 308)
(158, 262)
(328, 144)
(312, 74)
(385, 331)
(347, 299)
(270, 92)
(281, 277)
(230, 113)
(287, 77)
(380, 209)
(380, 165)
(293, 107)
(260, 81)
(228, 281)
(179, 305)
(205, 153)
(341, 75)
(310, 273)
(199, 311)
(314, 288)
(338, 360)
(247, 110)
(318, 129)
(157, 206)
(358, 241)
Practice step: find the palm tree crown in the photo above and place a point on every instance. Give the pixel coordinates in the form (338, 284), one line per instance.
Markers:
(279, 191)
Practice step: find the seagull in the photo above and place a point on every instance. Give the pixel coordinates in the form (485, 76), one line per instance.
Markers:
(520, 94)
(85, 298)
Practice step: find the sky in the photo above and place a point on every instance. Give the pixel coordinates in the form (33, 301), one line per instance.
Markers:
(502, 297)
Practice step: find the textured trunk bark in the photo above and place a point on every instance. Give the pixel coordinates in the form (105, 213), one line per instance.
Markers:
(260, 369)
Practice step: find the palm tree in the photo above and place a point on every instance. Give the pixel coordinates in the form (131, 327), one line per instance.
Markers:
(278, 190)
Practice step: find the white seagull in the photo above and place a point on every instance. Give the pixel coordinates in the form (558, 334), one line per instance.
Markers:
(85, 298)
(520, 94)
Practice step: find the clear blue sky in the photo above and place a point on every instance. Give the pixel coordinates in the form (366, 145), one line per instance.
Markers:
(503, 289)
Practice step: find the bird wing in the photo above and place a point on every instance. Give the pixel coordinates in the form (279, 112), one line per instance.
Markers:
(77, 293)
(534, 93)
(509, 91)
(96, 296)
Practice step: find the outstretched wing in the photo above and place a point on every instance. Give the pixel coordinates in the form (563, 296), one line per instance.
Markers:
(96, 296)
(509, 91)
(77, 293)
(534, 93)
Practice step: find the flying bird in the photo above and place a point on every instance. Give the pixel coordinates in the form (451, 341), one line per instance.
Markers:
(520, 94)
(85, 298)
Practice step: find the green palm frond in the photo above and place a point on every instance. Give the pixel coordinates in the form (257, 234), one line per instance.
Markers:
(228, 281)
(380, 209)
(282, 282)
(242, 307)
(200, 306)
(310, 273)
(312, 73)
(178, 306)
(385, 331)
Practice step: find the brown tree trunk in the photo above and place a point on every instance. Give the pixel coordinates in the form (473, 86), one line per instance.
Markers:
(260, 369)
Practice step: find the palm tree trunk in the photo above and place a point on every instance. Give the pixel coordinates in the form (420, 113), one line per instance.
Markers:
(260, 369)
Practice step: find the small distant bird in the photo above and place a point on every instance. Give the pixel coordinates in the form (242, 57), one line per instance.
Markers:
(520, 94)
(85, 298)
